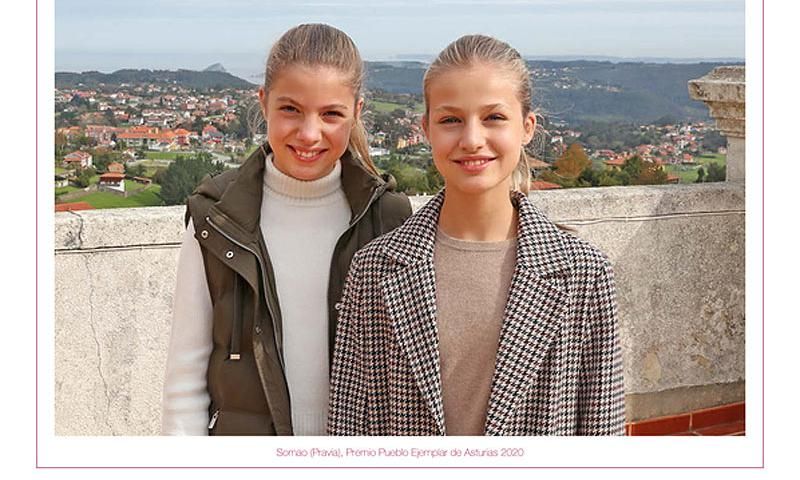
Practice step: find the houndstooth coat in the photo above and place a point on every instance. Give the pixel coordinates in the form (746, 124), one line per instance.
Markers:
(558, 369)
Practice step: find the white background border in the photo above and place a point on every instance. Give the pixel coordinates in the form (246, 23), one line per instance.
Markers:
(18, 34)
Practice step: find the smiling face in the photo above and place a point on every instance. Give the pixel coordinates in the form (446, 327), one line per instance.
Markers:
(310, 113)
(476, 128)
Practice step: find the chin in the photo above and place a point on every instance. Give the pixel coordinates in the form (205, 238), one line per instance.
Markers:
(478, 186)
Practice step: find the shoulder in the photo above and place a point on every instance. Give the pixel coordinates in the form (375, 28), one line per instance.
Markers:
(208, 192)
(394, 201)
(213, 186)
(583, 254)
(373, 253)
(394, 208)
(558, 245)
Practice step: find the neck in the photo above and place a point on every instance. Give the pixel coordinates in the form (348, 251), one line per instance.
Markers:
(320, 189)
(488, 217)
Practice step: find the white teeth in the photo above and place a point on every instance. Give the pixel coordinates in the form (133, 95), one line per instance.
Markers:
(474, 162)
(305, 154)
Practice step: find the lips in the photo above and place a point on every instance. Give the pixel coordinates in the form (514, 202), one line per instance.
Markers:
(306, 155)
(474, 164)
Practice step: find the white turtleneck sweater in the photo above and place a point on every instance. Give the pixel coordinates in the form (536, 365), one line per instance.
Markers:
(301, 222)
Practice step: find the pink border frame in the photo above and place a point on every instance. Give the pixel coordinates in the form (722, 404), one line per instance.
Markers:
(763, 370)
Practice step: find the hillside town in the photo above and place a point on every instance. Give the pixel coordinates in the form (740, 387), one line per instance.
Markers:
(114, 144)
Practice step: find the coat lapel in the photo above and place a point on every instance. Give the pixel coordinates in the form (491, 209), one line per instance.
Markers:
(409, 294)
(537, 305)
(533, 315)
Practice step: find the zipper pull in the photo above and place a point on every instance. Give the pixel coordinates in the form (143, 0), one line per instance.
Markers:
(213, 420)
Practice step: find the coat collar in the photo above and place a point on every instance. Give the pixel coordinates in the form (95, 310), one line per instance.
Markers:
(532, 318)
(540, 243)
(241, 201)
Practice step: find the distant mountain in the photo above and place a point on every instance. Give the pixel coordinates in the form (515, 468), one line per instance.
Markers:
(606, 58)
(189, 78)
(585, 90)
(395, 77)
(217, 67)
(568, 91)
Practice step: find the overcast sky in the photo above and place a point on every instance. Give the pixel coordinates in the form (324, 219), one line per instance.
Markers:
(103, 35)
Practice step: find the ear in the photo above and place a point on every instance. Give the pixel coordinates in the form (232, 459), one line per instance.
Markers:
(530, 126)
(424, 123)
(262, 101)
(359, 108)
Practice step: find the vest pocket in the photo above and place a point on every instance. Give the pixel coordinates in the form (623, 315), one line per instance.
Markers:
(236, 422)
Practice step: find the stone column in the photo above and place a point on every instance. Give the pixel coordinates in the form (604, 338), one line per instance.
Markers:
(723, 91)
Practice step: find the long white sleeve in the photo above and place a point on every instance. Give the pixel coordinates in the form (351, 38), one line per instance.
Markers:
(185, 400)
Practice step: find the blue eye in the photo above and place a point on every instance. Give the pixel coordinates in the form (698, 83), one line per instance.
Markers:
(333, 113)
(288, 108)
(496, 117)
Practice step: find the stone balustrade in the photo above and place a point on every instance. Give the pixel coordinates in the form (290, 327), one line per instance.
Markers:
(677, 251)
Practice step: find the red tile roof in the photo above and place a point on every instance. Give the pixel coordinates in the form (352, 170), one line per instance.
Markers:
(77, 155)
(68, 207)
(536, 163)
(542, 185)
(112, 176)
(617, 162)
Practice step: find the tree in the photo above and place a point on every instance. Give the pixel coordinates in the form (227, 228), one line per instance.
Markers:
(700, 175)
(572, 162)
(398, 113)
(589, 178)
(716, 172)
(61, 144)
(184, 174)
(612, 179)
(435, 180)
(137, 170)
(410, 179)
(633, 166)
(100, 161)
(84, 178)
(110, 118)
(651, 174)
(84, 141)
(713, 140)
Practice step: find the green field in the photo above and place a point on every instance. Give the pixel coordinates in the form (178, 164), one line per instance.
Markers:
(133, 186)
(147, 198)
(166, 155)
(388, 107)
(688, 173)
(67, 189)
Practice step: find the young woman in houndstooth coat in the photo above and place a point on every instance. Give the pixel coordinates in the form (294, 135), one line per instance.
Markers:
(478, 316)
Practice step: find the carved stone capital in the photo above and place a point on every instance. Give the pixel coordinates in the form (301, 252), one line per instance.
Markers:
(723, 91)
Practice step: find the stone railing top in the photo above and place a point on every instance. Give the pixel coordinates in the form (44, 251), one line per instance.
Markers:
(163, 226)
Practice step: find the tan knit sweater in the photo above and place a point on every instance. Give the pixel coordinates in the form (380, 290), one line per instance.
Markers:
(472, 282)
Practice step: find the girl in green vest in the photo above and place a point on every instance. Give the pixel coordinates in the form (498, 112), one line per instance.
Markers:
(267, 247)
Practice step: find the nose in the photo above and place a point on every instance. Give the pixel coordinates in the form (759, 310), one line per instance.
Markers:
(310, 131)
(472, 137)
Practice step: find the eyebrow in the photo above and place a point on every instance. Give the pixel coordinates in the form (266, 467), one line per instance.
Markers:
(326, 107)
(492, 106)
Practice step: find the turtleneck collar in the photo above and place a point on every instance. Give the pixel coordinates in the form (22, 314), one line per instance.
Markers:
(302, 191)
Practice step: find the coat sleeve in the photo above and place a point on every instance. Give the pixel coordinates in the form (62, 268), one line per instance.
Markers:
(185, 399)
(601, 396)
(348, 391)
